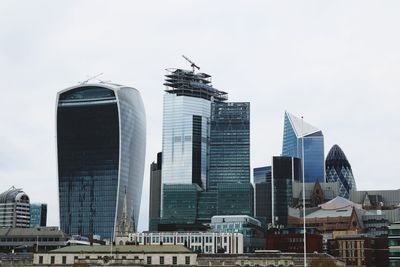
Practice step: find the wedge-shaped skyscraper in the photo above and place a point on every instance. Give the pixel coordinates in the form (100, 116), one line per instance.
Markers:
(101, 142)
(306, 142)
(338, 168)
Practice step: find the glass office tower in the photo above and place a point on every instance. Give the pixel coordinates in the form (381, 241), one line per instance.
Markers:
(285, 171)
(338, 168)
(229, 144)
(186, 114)
(38, 215)
(262, 174)
(101, 142)
(298, 136)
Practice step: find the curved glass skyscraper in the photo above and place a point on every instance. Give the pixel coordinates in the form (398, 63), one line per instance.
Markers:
(298, 133)
(338, 169)
(101, 142)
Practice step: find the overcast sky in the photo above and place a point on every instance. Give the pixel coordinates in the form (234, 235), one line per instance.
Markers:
(337, 63)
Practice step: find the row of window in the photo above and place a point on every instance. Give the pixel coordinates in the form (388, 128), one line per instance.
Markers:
(149, 261)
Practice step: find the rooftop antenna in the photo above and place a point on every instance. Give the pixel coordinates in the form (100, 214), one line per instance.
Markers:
(192, 64)
(91, 78)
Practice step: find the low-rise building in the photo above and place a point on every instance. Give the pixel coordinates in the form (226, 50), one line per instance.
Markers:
(359, 249)
(293, 242)
(267, 258)
(201, 242)
(31, 239)
(251, 229)
(125, 255)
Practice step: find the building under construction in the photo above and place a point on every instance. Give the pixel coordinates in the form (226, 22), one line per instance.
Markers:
(188, 83)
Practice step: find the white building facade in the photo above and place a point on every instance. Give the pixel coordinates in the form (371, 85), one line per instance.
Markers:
(203, 242)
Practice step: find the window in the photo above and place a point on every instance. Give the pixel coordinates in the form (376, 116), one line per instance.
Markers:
(187, 260)
(40, 259)
(64, 259)
(52, 260)
(148, 260)
(161, 260)
(174, 260)
(75, 258)
(124, 257)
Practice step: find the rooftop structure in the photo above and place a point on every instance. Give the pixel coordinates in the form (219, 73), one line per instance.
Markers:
(189, 83)
(316, 193)
(335, 215)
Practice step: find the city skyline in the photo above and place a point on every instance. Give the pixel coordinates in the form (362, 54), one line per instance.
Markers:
(341, 75)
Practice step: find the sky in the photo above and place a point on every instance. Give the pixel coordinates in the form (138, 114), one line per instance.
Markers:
(336, 63)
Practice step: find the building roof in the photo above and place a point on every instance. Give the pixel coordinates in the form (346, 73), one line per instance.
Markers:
(339, 203)
(301, 127)
(331, 190)
(124, 249)
(12, 195)
(388, 197)
(187, 83)
(336, 153)
(41, 231)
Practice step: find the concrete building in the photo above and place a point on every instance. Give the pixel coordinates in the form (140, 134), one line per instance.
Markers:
(200, 242)
(269, 259)
(117, 255)
(251, 229)
(359, 249)
(14, 208)
(339, 214)
(31, 239)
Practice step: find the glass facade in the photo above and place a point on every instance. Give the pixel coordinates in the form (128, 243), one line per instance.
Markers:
(263, 198)
(235, 199)
(180, 203)
(298, 134)
(338, 168)
(101, 133)
(185, 137)
(285, 170)
(38, 215)
(229, 144)
(262, 174)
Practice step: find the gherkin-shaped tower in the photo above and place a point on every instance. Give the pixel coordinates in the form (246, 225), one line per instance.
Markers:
(338, 168)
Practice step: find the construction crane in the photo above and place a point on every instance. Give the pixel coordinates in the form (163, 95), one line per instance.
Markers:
(91, 78)
(192, 64)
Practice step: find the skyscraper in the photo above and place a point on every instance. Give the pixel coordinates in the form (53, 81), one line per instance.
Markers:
(306, 142)
(155, 193)
(229, 144)
(338, 168)
(262, 174)
(285, 171)
(101, 142)
(206, 151)
(186, 114)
